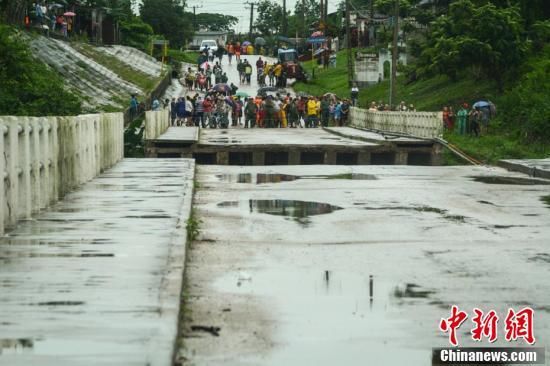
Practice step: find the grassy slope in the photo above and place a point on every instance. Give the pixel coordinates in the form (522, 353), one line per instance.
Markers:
(430, 95)
(426, 95)
(144, 81)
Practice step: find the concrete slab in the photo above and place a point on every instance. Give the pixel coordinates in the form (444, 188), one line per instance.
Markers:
(533, 167)
(96, 280)
(364, 135)
(180, 135)
(283, 268)
(276, 136)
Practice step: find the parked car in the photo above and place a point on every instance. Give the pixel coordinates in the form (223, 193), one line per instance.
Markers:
(209, 44)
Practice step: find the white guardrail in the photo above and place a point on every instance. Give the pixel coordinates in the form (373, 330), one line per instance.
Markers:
(419, 124)
(43, 158)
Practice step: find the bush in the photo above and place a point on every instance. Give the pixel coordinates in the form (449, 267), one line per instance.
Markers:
(526, 108)
(27, 86)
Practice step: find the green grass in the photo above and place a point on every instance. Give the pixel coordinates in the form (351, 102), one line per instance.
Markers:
(426, 95)
(498, 145)
(184, 56)
(143, 81)
(193, 227)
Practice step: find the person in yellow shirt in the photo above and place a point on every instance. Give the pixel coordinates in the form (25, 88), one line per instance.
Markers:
(311, 108)
(277, 72)
(284, 106)
(250, 50)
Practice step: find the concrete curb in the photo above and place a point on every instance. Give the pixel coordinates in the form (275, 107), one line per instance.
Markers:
(526, 167)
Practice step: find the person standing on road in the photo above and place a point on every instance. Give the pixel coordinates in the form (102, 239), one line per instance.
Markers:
(247, 71)
(199, 112)
(345, 113)
(230, 52)
(311, 107)
(250, 111)
(293, 116)
(180, 111)
(207, 106)
(173, 111)
(325, 111)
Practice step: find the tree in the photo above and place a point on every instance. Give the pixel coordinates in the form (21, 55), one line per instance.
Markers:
(476, 37)
(269, 19)
(168, 18)
(136, 33)
(306, 17)
(27, 86)
(216, 21)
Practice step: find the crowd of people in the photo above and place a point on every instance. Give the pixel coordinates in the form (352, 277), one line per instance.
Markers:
(473, 121)
(271, 111)
(223, 106)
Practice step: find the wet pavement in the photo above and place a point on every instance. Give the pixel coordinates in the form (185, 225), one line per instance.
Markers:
(321, 271)
(96, 279)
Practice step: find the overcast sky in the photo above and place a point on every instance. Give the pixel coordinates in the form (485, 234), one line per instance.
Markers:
(237, 9)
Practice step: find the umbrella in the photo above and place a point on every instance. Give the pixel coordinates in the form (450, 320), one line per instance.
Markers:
(259, 41)
(319, 51)
(317, 34)
(204, 65)
(481, 104)
(53, 6)
(246, 43)
(242, 94)
(229, 101)
(302, 94)
(221, 87)
(69, 14)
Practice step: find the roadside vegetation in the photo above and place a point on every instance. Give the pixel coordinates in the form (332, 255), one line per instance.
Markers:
(27, 86)
(466, 51)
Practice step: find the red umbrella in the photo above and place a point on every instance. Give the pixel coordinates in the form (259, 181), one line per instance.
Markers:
(69, 14)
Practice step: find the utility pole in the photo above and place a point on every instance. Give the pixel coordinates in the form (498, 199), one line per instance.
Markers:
(195, 16)
(251, 18)
(393, 87)
(304, 26)
(285, 21)
(348, 44)
(322, 17)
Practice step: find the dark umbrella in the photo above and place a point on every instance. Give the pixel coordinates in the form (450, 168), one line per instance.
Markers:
(222, 88)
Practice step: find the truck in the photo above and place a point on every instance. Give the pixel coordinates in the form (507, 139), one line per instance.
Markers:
(289, 59)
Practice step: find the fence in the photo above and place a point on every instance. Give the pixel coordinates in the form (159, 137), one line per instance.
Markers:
(43, 158)
(156, 123)
(419, 124)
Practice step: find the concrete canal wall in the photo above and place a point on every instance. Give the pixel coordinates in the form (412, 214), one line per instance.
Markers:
(43, 158)
(418, 124)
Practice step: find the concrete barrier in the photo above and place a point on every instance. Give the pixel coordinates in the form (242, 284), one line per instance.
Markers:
(156, 123)
(43, 158)
(419, 124)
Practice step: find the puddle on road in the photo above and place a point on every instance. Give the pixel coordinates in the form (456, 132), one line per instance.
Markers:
(546, 200)
(510, 180)
(60, 303)
(540, 257)
(298, 210)
(327, 317)
(15, 345)
(262, 178)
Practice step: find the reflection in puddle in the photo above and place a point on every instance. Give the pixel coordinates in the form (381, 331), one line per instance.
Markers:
(278, 178)
(510, 180)
(411, 291)
(546, 199)
(298, 210)
(16, 345)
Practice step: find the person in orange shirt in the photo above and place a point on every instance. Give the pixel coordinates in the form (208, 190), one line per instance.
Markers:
(237, 50)
(230, 52)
